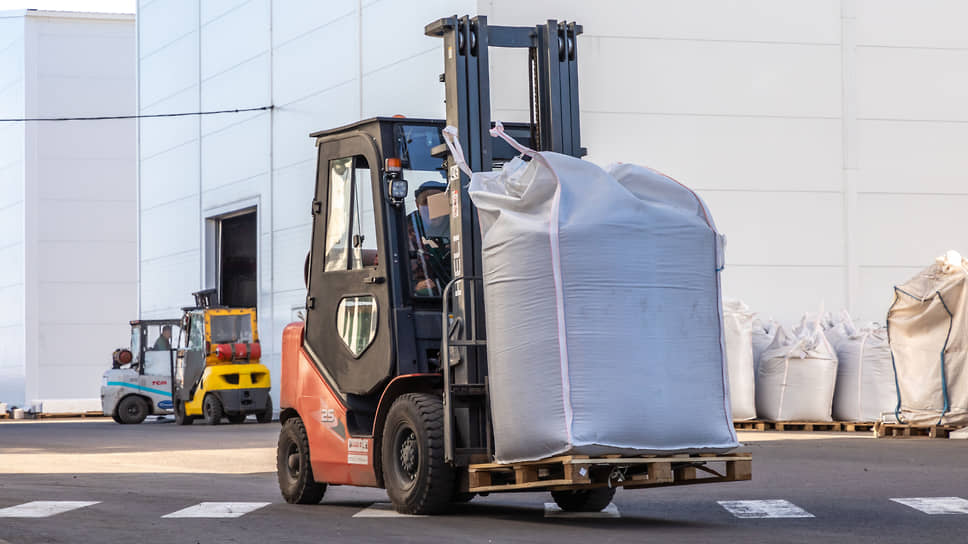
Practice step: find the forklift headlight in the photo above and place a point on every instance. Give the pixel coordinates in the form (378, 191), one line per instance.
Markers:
(398, 190)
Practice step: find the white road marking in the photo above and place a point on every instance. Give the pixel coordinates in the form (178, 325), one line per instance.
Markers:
(382, 510)
(217, 510)
(775, 508)
(43, 509)
(936, 505)
(552, 510)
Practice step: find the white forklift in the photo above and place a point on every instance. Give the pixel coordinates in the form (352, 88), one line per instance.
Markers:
(139, 383)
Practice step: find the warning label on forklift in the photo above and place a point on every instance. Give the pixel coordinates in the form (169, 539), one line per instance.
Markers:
(357, 459)
(358, 444)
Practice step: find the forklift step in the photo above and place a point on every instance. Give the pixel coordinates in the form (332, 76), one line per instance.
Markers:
(582, 472)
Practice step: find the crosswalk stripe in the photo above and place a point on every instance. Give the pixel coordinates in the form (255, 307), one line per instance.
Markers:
(936, 505)
(773, 508)
(217, 510)
(42, 509)
(552, 510)
(382, 510)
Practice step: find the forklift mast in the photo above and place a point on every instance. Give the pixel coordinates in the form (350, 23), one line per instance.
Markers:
(554, 126)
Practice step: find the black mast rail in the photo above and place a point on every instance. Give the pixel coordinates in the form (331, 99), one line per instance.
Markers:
(553, 100)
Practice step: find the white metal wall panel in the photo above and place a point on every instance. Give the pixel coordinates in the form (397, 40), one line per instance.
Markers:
(796, 21)
(238, 35)
(12, 274)
(910, 229)
(92, 220)
(393, 31)
(294, 18)
(170, 21)
(289, 247)
(293, 188)
(876, 292)
(159, 134)
(169, 71)
(12, 371)
(294, 122)
(912, 84)
(712, 78)
(241, 87)
(315, 62)
(167, 282)
(243, 189)
(705, 153)
(169, 176)
(166, 231)
(213, 9)
(786, 292)
(912, 157)
(239, 151)
(901, 23)
(394, 89)
(94, 262)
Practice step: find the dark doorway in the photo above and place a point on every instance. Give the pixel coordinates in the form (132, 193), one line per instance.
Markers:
(237, 260)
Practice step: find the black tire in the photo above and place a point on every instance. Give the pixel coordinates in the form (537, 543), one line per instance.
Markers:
(293, 468)
(584, 500)
(132, 410)
(265, 416)
(115, 417)
(417, 479)
(180, 417)
(236, 419)
(463, 497)
(212, 410)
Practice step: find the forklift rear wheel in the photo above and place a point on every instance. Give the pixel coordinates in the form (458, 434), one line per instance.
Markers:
(180, 417)
(235, 419)
(212, 410)
(265, 416)
(132, 410)
(417, 479)
(293, 468)
(584, 500)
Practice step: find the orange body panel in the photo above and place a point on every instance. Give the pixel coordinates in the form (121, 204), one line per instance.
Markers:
(336, 457)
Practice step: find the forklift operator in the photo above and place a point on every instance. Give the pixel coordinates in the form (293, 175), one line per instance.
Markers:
(429, 241)
(164, 339)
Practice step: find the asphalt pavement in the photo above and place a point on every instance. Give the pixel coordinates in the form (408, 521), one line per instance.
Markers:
(96, 481)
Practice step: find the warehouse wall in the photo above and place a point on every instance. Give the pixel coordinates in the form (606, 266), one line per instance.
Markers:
(827, 136)
(322, 64)
(80, 193)
(12, 210)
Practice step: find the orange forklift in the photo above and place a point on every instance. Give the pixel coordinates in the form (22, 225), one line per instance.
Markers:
(385, 383)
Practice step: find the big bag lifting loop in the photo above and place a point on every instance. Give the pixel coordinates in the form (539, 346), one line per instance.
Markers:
(453, 144)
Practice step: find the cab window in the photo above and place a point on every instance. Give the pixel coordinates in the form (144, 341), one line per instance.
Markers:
(228, 329)
(196, 334)
(350, 223)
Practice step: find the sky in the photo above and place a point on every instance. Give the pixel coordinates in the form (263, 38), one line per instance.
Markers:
(107, 6)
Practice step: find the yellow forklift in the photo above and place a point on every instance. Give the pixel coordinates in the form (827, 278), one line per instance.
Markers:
(217, 372)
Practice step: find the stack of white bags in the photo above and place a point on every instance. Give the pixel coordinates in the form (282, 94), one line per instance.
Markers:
(824, 369)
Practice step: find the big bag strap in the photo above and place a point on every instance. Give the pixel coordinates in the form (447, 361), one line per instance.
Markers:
(453, 144)
(498, 132)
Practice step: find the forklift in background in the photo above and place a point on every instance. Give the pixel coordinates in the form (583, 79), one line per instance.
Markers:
(217, 373)
(139, 382)
(385, 383)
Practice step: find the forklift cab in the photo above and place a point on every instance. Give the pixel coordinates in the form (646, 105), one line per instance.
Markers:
(139, 382)
(381, 256)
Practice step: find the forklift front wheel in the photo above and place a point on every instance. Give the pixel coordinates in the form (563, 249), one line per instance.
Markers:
(293, 468)
(417, 479)
(584, 500)
(180, 417)
(132, 410)
(212, 410)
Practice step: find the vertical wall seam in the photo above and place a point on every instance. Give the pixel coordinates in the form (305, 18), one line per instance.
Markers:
(201, 215)
(137, 152)
(359, 54)
(848, 46)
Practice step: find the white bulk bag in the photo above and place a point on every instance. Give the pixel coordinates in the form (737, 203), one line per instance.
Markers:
(738, 321)
(927, 325)
(604, 325)
(763, 334)
(865, 375)
(796, 377)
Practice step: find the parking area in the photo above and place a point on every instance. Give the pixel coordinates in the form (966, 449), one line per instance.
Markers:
(93, 480)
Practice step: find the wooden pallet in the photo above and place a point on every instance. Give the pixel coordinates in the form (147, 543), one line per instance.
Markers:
(96, 413)
(903, 430)
(827, 426)
(582, 472)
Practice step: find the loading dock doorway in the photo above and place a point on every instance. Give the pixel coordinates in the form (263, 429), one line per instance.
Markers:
(236, 258)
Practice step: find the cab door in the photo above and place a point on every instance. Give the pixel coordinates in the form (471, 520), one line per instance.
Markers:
(348, 304)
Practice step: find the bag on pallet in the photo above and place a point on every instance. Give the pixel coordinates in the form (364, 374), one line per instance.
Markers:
(738, 321)
(865, 374)
(763, 333)
(927, 324)
(796, 377)
(604, 320)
